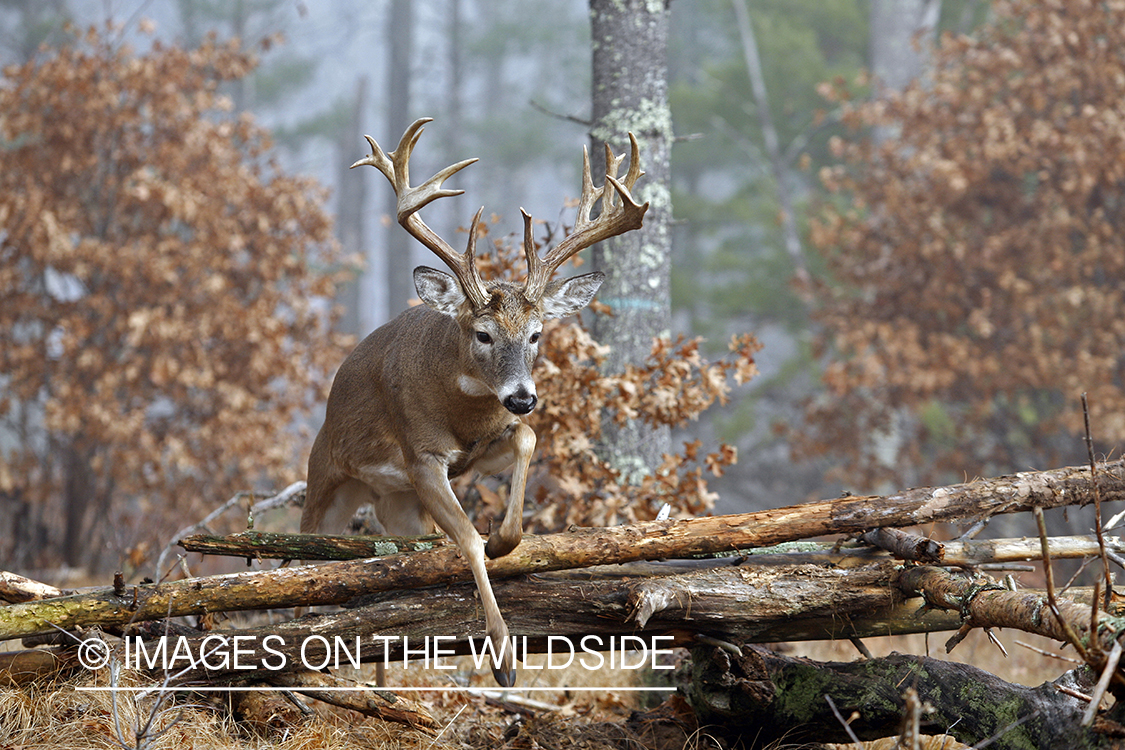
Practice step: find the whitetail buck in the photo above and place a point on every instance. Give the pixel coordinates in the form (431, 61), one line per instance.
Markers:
(439, 391)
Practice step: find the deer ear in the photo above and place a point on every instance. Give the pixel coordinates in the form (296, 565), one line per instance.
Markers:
(438, 290)
(567, 296)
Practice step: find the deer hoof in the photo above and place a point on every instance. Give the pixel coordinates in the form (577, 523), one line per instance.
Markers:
(498, 546)
(505, 677)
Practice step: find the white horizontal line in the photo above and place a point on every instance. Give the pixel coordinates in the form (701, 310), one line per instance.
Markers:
(335, 689)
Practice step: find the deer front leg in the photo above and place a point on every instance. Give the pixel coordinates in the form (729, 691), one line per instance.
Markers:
(516, 446)
(429, 476)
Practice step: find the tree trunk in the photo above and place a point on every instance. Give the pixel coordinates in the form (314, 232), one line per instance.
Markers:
(78, 491)
(901, 32)
(452, 140)
(778, 167)
(399, 245)
(630, 93)
(351, 207)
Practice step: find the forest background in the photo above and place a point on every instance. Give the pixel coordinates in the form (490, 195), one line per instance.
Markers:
(931, 267)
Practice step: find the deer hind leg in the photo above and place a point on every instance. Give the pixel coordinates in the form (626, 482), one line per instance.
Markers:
(331, 500)
(402, 514)
(437, 498)
(348, 497)
(516, 446)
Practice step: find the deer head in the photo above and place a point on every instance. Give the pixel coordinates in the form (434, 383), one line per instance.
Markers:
(501, 323)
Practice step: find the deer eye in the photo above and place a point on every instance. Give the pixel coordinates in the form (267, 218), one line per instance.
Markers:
(483, 337)
(535, 337)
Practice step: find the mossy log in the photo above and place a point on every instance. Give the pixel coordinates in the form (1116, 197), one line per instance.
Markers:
(761, 697)
(271, 545)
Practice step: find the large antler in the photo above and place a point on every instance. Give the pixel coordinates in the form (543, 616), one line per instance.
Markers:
(396, 167)
(613, 220)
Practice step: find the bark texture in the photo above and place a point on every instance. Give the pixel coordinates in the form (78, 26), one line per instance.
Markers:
(762, 697)
(630, 94)
(986, 604)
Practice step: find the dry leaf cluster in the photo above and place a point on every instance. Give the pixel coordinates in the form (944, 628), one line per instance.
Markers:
(572, 480)
(164, 323)
(976, 255)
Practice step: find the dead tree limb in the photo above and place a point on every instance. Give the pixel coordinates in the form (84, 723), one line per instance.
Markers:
(293, 493)
(373, 702)
(762, 698)
(334, 583)
(906, 546)
(15, 588)
(271, 545)
(984, 604)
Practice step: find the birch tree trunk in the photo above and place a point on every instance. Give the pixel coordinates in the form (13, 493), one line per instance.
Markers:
(778, 166)
(896, 58)
(630, 94)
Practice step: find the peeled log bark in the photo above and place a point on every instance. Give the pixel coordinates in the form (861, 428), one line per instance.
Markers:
(335, 583)
(762, 697)
(16, 588)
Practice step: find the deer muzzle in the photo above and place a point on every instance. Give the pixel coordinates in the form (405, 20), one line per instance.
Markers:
(521, 402)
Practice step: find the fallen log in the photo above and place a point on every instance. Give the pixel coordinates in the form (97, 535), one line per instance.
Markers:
(985, 604)
(551, 612)
(21, 667)
(724, 602)
(761, 697)
(263, 545)
(334, 583)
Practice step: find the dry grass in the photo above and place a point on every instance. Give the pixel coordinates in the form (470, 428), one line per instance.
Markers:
(50, 716)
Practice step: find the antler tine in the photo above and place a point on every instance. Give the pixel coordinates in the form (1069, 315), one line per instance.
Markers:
(613, 220)
(534, 263)
(395, 166)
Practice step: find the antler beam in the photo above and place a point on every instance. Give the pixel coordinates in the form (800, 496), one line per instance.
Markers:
(615, 218)
(395, 166)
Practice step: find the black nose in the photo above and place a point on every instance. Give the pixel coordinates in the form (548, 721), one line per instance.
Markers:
(518, 404)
